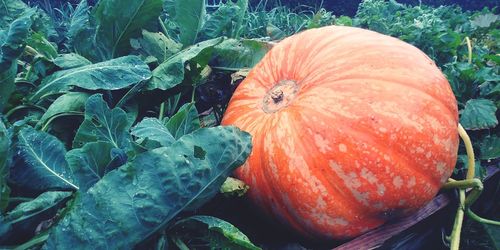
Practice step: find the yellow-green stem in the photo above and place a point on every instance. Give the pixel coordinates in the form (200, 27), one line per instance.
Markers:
(469, 48)
(162, 111)
(459, 219)
(470, 151)
(475, 184)
(479, 219)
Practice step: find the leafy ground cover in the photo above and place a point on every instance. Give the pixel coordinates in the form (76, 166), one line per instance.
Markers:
(110, 112)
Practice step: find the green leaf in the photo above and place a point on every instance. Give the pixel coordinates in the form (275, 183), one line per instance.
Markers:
(189, 16)
(88, 163)
(233, 54)
(5, 142)
(103, 124)
(274, 32)
(137, 200)
(81, 33)
(220, 23)
(24, 219)
(184, 121)
(68, 103)
(10, 10)
(11, 48)
(109, 75)
(485, 20)
(42, 46)
(493, 232)
(157, 45)
(490, 147)
(171, 73)
(153, 129)
(39, 164)
(214, 232)
(243, 4)
(234, 187)
(479, 114)
(120, 20)
(7, 84)
(15, 41)
(71, 60)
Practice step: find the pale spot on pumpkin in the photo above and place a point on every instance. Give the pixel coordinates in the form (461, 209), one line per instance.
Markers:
(320, 203)
(397, 181)
(321, 143)
(412, 182)
(351, 182)
(325, 219)
(379, 206)
(381, 189)
(368, 175)
(428, 155)
(386, 157)
(342, 148)
(274, 168)
(441, 167)
(383, 130)
(420, 150)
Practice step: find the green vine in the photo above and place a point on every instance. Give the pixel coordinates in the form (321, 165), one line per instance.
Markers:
(465, 202)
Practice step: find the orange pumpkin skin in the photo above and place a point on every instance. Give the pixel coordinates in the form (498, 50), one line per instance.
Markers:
(350, 128)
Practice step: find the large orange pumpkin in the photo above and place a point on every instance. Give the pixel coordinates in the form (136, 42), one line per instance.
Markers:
(350, 128)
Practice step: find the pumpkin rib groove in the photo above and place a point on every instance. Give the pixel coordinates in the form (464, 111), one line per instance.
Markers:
(342, 196)
(288, 216)
(305, 140)
(359, 136)
(309, 141)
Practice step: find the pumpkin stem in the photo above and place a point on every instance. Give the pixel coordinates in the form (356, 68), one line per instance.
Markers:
(277, 95)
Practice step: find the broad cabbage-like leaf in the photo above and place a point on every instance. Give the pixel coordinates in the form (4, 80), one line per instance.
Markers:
(220, 23)
(103, 124)
(484, 20)
(39, 163)
(12, 46)
(23, 220)
(189, 16)
(130, 204)
(71, 60)
(10, 10)
(42, 46)
(171, 73)
(88, 163)
(479, 114)
(213, 232)
(236, 54)
(490, 147)
(81, 33)
(155, 45)
(109, 75)
(184, 121)
(70, 103)
(153, 129)
(120, 20)
(4, 170)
